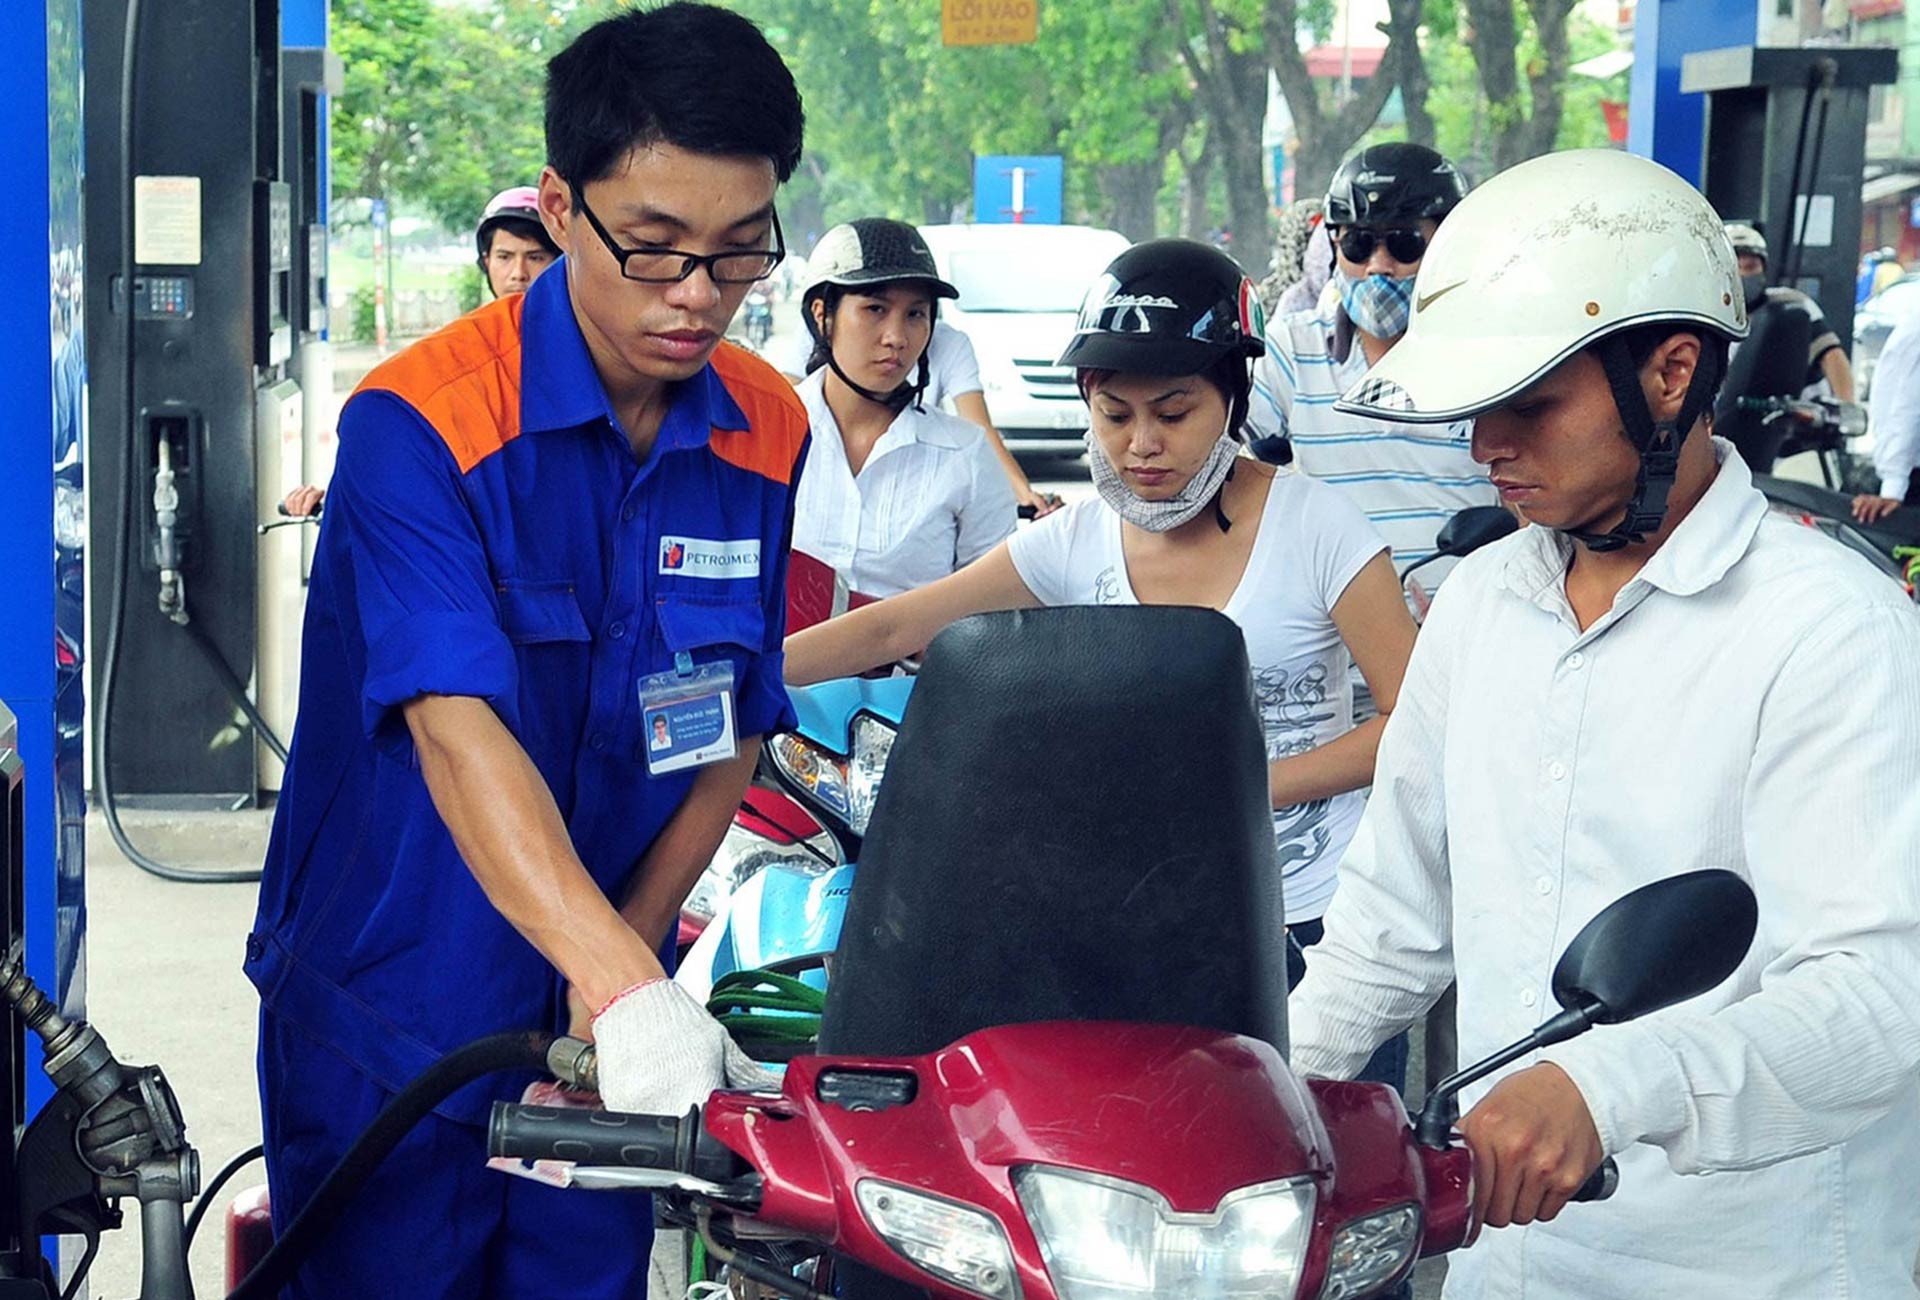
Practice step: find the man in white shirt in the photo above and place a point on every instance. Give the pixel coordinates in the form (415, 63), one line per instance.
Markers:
(1893, 417)
(1382, 208)
(1659, 675)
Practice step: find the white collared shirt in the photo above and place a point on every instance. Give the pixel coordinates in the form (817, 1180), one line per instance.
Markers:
(1893, 409)
(931, 498)
(1408, 479)
(1750, 702)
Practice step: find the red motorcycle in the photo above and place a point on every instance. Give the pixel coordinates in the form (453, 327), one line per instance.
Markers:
(1028, 1085)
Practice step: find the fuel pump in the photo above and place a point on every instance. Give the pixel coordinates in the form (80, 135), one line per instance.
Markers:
(208, 143)
(1786, 139)
(192, 377)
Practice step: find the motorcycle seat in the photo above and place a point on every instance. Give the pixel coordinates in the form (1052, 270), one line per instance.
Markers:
(1074, 825)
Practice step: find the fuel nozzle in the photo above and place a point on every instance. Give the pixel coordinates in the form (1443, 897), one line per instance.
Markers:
(76, 1057)
(166, 520)
(574, 1062)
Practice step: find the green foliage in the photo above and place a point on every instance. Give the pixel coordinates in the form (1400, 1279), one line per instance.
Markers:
(470, 288)
(360, 314)
(443, 100)
(1465, 122)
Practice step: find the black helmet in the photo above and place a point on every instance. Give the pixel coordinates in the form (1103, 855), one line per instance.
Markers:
(1393, 185)
(1173, 307)
(1167, 307)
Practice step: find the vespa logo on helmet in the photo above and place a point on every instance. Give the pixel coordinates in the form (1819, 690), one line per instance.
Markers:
(1123, 313)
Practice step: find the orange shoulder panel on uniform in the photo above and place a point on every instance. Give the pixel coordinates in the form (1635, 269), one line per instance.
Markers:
(777, 421)
(463, 379)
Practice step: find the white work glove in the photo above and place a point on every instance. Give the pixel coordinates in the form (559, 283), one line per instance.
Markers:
(660, 1052)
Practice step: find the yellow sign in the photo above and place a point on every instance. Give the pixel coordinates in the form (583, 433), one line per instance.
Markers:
(989, 22)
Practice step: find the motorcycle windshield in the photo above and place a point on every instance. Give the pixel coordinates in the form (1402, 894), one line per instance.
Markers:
(1074, 826)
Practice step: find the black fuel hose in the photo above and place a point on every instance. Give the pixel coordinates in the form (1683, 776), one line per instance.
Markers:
(513, 1051)
(123, 546)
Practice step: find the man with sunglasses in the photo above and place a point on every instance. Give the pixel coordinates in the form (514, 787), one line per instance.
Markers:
(1383, 206)
(557, 520)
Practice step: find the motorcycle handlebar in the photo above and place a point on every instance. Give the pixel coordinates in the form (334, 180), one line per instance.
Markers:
(605, 1137)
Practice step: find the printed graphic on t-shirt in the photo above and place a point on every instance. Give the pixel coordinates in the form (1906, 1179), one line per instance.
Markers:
(1291, 706)
(1301, 834)
(1106, 586)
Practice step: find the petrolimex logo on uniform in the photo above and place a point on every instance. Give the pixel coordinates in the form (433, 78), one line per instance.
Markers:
(700, 557)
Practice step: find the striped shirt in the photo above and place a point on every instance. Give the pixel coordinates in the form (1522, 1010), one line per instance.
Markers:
(1408, 479)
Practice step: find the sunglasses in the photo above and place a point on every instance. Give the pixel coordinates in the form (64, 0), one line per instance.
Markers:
(1358, 242)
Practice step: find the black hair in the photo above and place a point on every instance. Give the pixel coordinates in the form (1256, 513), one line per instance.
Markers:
(1643, 340)
(525, 227)
(689, 75)
(829, 297)
(1230, 375)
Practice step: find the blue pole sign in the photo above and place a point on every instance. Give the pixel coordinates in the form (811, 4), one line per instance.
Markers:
(1021, 190)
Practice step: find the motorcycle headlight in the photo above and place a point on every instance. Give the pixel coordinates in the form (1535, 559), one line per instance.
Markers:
(815, 771)
(1104, 1239)
(955, 1243)
(1369, 1253)
(872, 746)
(741, 856)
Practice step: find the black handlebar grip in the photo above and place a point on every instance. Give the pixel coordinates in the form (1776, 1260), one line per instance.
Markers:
(1601, 1184)
(606, 1137)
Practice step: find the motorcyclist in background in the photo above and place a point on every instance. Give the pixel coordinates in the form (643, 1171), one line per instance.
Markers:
(513, 247)
(1382, 208)
(1828, 370)
(896, 493)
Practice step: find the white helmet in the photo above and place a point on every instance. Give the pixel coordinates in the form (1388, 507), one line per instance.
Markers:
(1550, 257)
(1747, 239)
(1541, 261)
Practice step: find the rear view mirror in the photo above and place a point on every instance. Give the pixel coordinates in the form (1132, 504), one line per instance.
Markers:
(1664, 943)
(1473, 528)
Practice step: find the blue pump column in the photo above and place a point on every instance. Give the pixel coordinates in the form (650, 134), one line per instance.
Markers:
(1662, 123)
(42, 493)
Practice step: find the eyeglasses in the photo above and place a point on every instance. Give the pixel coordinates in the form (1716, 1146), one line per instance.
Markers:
(671, 266)
(1358, 242)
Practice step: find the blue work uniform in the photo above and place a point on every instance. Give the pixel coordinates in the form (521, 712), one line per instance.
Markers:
(489, 533)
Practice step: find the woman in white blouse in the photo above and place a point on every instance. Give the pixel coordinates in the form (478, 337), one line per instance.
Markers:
(1163, 351)
(895, 494)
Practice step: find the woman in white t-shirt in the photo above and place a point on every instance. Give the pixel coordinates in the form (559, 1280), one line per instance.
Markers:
(1162, 351)
(895, 493)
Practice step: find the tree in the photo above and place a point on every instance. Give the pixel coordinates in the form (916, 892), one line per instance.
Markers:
(1123, 102)
(385, 48)
(1221, 47)
(1493, 36)
(1464, 123)
(1327, 133)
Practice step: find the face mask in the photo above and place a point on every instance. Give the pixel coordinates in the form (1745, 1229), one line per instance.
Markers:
(1377, 304)
(1162, 516)
(1755, 289)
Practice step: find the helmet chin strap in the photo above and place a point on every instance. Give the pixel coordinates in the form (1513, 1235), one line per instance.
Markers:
(1658, 443)
(907, 394)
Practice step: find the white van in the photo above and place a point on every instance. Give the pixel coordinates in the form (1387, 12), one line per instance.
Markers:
(1020, 291)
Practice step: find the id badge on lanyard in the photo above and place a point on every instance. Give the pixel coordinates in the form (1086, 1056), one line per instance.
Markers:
(686, 716)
